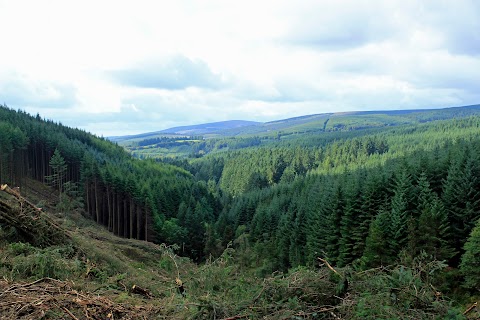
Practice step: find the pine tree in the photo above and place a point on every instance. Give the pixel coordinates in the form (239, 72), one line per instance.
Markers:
(400, 215)
(377, 243)
(335, 210)
(283, 236)
(470, 265)
(59, 169)
(298, 239)
(433, 229)
(350, 221)
(461, 197)
(373, 194)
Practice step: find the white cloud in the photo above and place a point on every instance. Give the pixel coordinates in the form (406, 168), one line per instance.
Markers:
(122, 67)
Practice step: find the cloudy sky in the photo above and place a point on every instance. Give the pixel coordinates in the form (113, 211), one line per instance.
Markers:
(125, 67)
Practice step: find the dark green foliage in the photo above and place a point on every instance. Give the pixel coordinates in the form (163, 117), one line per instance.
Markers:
(59, 169)
(22, 261)
(434, 233)
(461, 195)
(131, 198)
(470, 265)
(358, 198)
(401, 215)
(377, 250)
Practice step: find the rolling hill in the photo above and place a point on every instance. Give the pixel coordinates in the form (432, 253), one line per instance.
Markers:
(148, 144)
(193, 130)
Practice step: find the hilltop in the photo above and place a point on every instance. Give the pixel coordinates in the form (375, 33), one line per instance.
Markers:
(192, 130)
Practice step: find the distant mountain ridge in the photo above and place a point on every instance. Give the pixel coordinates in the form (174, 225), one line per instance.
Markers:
(331, 121)
(212, 127)
(192, 130)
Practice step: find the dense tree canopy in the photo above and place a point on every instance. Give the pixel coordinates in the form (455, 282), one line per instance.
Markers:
(361, 198)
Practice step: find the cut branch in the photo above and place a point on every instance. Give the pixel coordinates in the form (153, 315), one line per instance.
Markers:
(470, 308)
(329, 266)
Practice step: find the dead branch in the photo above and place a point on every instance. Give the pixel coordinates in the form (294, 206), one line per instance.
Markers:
(259, 294)
(17, 195)
(470, 308)
(329, 266)
(31, 300)
(144, 292)
(39, 228)
(69, 313)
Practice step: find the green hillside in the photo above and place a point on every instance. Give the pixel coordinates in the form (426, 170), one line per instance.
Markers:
(270, 132)
(375, 219)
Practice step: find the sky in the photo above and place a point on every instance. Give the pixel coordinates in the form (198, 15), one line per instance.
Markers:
(127, 67)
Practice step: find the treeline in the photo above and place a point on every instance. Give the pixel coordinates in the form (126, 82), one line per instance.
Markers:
(368, 216)
(365, 201)
(131, 198)
(167, 141)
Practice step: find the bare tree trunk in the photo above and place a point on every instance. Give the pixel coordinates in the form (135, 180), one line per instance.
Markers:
(125, 218)
(109, 209)
(132, 216)
(139, 222)
(114, 213)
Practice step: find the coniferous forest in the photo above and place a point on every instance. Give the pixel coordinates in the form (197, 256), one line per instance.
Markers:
(354, 197)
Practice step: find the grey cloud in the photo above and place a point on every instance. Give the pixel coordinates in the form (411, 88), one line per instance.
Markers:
(333, 26)
(20, 91)
(177, 73)
(145, 112)
(458, 22)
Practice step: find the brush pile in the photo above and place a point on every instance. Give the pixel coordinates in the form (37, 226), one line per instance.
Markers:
(50, 298)
(29, 220)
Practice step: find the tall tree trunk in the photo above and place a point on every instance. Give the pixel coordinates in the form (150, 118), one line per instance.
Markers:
(146, 222)
(115, 212)
(125, 218)
(109, 209)
(139, 222)
(119, 216)
(132, 216)
(97, 215)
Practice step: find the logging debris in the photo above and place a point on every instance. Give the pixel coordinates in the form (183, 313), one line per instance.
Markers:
(46, 297)
(36, 226)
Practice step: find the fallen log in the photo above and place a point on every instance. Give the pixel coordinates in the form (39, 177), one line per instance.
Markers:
(144, 292)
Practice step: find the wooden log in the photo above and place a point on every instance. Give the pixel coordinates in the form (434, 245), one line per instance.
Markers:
(144, 292)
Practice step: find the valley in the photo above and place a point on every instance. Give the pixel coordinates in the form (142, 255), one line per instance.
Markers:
(359, 215)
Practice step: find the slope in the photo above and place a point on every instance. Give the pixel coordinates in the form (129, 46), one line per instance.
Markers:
(192, 130)
(96, 275)
(131, 198)
(264, 133)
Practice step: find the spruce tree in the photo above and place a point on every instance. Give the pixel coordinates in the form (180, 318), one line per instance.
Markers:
(400, 214)
(59, 169)
(377, 245)
(470, 265)
(433, 228)
(350, 220)
(335, 211)
(461, 197)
